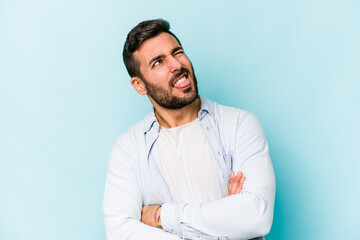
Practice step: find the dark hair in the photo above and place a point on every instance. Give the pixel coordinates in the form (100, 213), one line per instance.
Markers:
(142, 32)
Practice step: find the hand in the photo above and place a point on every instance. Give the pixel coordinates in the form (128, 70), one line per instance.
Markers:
(148, 213)
(236, 183)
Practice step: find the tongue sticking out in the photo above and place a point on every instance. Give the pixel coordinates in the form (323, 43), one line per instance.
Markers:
(182, 84)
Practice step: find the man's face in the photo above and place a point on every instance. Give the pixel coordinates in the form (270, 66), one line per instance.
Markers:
(166, 71)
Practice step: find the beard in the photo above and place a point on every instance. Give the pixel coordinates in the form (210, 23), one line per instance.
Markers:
(165, 99)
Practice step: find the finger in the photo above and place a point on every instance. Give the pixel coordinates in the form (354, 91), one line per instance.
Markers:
(240, 185)
(236, 182)
(231, 180)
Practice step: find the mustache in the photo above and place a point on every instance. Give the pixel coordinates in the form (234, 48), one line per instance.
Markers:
(178, 74)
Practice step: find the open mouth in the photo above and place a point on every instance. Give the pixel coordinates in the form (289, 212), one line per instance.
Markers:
(182, 82)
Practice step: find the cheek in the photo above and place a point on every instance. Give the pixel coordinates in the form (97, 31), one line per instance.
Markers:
(158, 76)
(185, 61)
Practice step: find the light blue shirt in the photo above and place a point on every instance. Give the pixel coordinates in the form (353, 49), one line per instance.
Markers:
(133, 180)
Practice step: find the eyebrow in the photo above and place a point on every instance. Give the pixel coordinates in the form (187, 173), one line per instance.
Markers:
(154, 59)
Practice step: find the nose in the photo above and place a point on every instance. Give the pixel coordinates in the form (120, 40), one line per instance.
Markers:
(174, 64)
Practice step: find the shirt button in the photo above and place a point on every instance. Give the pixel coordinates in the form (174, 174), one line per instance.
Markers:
(174, 232)
(207, 128)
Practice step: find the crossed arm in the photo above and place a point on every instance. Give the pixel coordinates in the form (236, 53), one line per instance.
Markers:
(150, 215)
(243, 215)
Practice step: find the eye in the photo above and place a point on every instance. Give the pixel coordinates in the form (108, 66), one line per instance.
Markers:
(179, 52)
(156, 63)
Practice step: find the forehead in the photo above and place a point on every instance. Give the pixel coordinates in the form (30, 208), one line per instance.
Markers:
(161, 44)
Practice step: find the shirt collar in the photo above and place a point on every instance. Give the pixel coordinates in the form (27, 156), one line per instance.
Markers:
(150, 120)
(207, 106)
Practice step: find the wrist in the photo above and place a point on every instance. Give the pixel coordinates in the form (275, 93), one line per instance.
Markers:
(157, 216)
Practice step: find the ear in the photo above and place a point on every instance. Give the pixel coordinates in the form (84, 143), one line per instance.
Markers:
(138, 85)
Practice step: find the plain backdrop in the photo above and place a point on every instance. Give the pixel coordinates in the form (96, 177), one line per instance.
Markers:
(65, 97)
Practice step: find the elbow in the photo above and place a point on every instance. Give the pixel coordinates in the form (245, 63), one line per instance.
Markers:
(262, 215)
(261, 218)
(119, 227)
(257, 226)
(262, 224)
(256, 223)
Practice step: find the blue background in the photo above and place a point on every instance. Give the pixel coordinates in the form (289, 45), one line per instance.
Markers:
(65, 96)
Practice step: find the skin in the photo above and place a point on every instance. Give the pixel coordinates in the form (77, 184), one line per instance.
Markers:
(236, 183)
(148, 212)
(160, 74)
(162, 62)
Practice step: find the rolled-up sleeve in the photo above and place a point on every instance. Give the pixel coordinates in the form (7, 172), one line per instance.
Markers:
(122, 203)
(245, 215)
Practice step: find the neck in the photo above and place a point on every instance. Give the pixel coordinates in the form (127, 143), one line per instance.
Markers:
(170, 118)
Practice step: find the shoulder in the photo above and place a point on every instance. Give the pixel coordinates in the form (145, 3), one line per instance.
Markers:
(233, 123)
(227, 115)
(244, 121)
(131, 140)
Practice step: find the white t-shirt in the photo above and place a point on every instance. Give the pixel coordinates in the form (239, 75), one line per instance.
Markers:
(192, 175)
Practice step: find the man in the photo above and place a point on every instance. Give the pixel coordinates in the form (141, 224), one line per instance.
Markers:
(171, 176)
